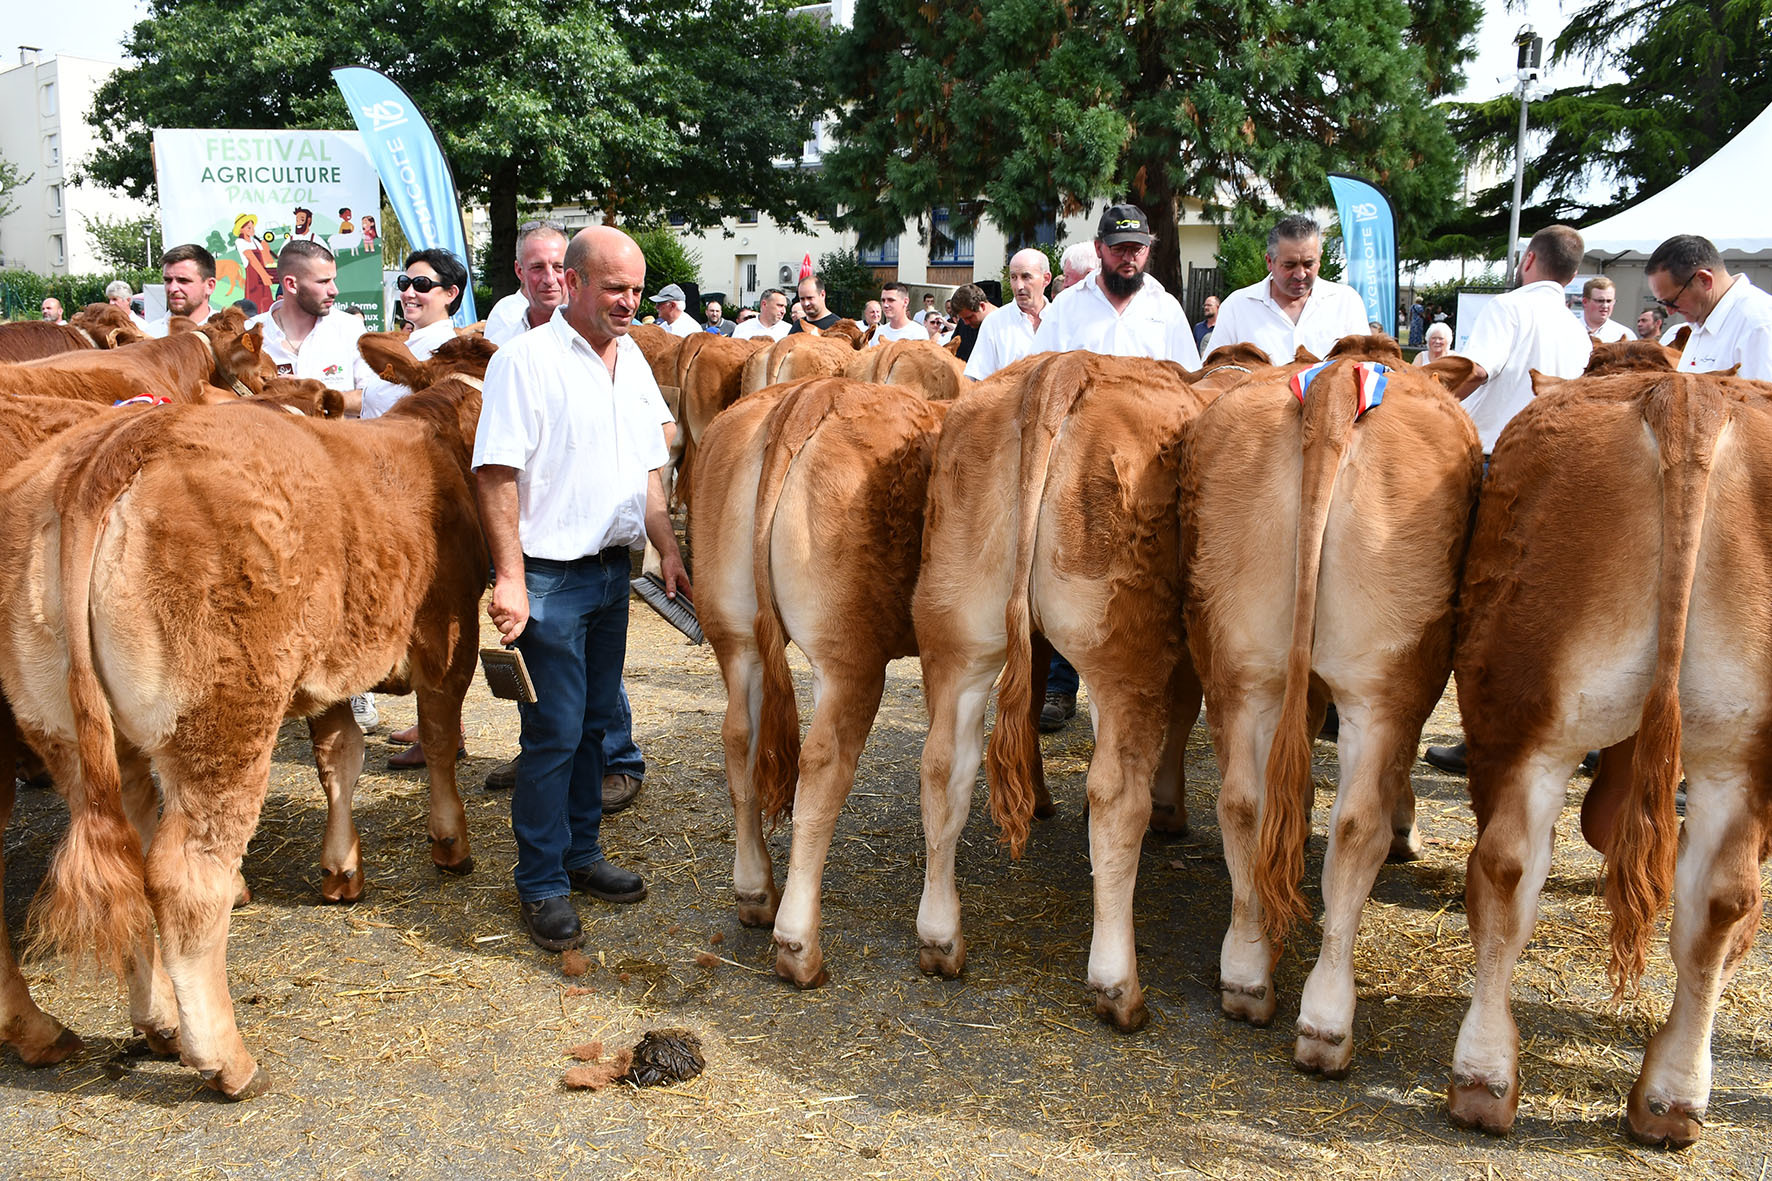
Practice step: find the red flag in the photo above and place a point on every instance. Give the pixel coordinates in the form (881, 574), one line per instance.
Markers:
(806, 266)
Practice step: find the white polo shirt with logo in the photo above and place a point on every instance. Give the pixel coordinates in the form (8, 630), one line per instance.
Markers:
(1516, 332)
(1251, 315)
(329, 353)
(583, 441)
(1153, 324)
(1738, 331)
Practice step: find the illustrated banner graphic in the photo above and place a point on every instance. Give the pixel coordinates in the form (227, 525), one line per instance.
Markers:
(412, 166)
(1369, 237)
(242, 195)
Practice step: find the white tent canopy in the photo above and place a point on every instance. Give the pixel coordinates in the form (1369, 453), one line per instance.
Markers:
(1724, 199)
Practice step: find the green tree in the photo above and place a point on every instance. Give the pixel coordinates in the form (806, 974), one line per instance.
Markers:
(12, 179)
(533, 100)
(849, 283)
(126, 242)
(667, 261)
(1692, 76)
(997, 108)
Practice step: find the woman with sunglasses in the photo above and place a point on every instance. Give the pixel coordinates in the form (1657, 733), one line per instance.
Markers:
(431, 287)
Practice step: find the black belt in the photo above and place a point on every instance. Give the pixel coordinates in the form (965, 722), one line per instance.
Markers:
(600, 558)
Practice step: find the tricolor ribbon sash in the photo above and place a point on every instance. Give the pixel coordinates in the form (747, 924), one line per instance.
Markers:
(1370, 378)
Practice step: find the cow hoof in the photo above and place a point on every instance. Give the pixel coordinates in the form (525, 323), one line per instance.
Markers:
(800, 963)
(1123, 1008)
(242, 893)
(757, 908)
(1405, 847)
(945, 958)
(341, 886)
(1483, 1105)
(50, 1050)
(1660, 1124)
(1254, 1003)
(258, 1084)
(1321, 1052)
(1045, 810)
(162, 1043)
(1168, 821)
(456, 868)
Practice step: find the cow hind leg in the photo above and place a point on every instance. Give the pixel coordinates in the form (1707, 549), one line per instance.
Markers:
(1502, 882)
(1120, 777)
(39, 1039)
(753, 874)
(957, 695)
(153, 1009)
(828, 757)
(439, 734)
(213, 799)
(1169, 788)
(1717, 906)
(338, 758)
(1243, 724)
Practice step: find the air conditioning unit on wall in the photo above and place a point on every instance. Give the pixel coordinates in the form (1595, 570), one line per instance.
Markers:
(787, 274)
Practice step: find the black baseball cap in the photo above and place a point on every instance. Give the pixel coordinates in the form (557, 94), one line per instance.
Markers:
(1124, 223)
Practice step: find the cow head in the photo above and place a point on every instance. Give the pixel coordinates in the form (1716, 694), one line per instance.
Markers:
(313, 398)
(238, 352)
(1631, 356)
(1377, 347)
(847, 330)
(1451, 371)
(453, 407)
(108, 325)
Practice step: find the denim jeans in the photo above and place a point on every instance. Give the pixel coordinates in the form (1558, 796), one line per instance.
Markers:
(574, 645)
(620, 755)
(1061, 677)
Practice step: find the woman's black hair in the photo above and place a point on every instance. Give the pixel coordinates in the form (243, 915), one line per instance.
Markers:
(449, 270)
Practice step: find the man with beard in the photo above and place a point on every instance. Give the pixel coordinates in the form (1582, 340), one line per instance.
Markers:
(1649, 324)
(304, 226)
(813, 310)
(305, 334)
(541, 283)
(1294, 307)
(188, 273)
(1119, 310)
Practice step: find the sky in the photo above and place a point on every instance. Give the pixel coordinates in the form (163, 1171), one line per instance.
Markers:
(96, 29)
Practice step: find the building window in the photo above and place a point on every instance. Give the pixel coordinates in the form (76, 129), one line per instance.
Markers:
(55, 200)
(58, 250)
(1045, 231)
(747, 217)
(750, 276)
(678, 220)
(52, 150)
(883, 255)
(46, 100)
(946, 247)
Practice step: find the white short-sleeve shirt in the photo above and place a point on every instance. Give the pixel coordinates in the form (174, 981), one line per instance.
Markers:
(1738, 331)
(380, 394)
(911, 331)
(329, 353)
(583, 443)
(1610, 332)
(1005, 337)
(1516, 332)
(1250, 315)
(1153, 324)
(755, 327)
(684, 325)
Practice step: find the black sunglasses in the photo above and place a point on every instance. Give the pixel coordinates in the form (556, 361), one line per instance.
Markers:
(1667, 305)
(423, 284)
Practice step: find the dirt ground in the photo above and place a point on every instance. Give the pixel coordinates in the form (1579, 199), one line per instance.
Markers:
(419, 1034)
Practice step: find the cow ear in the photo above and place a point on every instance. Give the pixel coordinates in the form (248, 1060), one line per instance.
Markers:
(1451, 371)
(1678, 343)
(1303, 356)
(254, 339)
(1544, 383)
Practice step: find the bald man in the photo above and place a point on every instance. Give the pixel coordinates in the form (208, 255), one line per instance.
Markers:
(566, 462)
(1007, 334)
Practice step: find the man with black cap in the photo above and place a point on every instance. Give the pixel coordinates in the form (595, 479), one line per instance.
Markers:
(671, 316)
(1122, 312)
(1119, 310)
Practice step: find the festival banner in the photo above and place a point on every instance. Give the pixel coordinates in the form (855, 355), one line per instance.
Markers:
(412, 167)
(1369, 239)
(242, 195)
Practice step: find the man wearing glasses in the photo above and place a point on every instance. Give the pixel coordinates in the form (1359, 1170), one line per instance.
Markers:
(1731, 318)
(541, 283)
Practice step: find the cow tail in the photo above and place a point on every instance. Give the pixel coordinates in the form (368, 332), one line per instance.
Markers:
(1686, 419)
(788, 429)
(94, 898)
(1012, 757)
(1328, 418)
(684, 489)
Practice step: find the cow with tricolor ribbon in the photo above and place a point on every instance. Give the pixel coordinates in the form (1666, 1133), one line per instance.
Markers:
(1325, 510)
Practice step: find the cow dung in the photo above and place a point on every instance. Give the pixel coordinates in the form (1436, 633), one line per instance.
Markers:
(666, 1056)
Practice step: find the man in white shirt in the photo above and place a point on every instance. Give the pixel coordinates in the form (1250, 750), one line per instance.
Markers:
(922, 315)
(188, 273)
(1294, 307)
(1525, 329)
(1075, 264)
(541, 283)
(1598, 297)
(872, 314)
(1007, 334)
(1731, 318)
(305, 334)
(1119, 310)
(895, 303)
(671, 315)
(771, 320)
(566, 460)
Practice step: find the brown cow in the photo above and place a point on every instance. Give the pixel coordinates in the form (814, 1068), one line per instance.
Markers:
(709, 372)
(809, 529)
(793, 357)
(916, 363)
(1322, 545)
(205, 628)
(28, 340)
(108, 325)
(1619, 581)
(179, 367)
(1052, 510)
